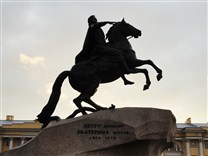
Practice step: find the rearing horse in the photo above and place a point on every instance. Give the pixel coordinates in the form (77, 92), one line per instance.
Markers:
(86, 76)
(117, 36)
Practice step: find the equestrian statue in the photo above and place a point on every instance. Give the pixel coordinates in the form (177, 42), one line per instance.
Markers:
(99, 62)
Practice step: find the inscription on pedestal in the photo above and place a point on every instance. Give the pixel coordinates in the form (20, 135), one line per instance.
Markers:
(103, 131)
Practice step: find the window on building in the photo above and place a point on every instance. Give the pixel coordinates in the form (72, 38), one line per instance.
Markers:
(177, 147)
(7, 142)
(206, 144)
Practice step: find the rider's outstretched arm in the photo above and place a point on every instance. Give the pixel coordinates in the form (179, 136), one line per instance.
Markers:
(101, 24)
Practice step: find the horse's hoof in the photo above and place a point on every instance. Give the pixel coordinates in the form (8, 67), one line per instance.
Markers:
(159, 77)
(112, 106)
(56, 118)
(146, 87)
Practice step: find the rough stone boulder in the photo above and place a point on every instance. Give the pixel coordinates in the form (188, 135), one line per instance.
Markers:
(118, 132)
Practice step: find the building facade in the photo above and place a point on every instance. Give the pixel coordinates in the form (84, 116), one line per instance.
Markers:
(14, 133)
(190, 139)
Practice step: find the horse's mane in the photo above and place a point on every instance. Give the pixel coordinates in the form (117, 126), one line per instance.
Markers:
(109, 34)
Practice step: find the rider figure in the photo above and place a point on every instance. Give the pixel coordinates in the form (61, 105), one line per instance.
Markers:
(95, 38)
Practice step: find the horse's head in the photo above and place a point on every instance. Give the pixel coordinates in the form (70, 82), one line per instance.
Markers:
(124, 29)
(128, 30)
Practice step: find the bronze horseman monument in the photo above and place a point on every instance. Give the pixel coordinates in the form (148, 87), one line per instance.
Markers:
(107, 131)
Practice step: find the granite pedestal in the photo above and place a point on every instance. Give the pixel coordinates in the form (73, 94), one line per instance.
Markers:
(118, 132)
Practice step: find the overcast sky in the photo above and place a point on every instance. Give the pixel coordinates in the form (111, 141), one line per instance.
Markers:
(41, 39)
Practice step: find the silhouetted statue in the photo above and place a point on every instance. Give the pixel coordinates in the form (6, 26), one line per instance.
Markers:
(86, 75)
(96, 46)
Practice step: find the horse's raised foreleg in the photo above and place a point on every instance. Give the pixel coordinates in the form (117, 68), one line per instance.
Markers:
(145, 72)
(149, 62)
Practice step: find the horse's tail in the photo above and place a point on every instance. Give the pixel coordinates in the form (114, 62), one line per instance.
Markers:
(48, 110)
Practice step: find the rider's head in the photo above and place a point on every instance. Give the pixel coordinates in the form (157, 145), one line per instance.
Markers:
(92, 19)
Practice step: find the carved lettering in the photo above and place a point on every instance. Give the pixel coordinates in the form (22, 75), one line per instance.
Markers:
(92, 126)
(98, 131)
(92, 132)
